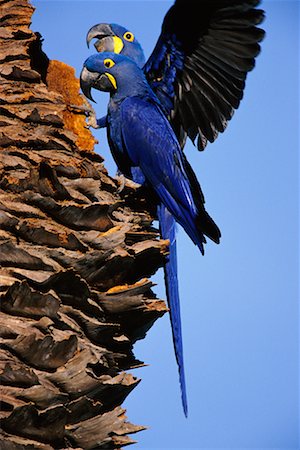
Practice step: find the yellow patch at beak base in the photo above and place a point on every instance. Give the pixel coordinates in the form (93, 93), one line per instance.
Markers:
(118, 44)
(111, 79)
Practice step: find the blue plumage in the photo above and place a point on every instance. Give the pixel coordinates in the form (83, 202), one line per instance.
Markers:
(145, 148)
(197, 71)
(153, 147)
(168, 231)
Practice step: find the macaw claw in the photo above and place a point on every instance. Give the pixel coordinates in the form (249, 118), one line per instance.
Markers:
(123, 182)
(88, 110)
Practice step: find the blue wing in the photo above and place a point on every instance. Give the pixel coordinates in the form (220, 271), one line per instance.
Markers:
(200, 62)
(168, 231)
(152, 146)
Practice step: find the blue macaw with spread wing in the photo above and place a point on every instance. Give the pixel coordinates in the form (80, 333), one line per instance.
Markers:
(199, 64)
(197, 71)
(146, 150)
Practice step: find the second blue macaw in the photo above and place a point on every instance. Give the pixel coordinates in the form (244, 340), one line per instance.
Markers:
(199, 64)
(147, 151)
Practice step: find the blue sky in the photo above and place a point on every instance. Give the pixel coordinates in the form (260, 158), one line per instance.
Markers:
(240, 301)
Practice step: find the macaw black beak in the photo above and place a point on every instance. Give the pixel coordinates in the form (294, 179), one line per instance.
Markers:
(87, 81)
(102, 82)
(104, 35)
(107, 41)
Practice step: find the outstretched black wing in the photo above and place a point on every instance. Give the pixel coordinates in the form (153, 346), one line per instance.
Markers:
(200, 62)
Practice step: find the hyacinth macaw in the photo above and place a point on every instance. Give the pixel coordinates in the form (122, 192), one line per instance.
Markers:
(147, 151)
(199, 64)
(197, 70)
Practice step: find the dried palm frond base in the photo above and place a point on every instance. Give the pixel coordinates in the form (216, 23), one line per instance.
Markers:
(74, 260)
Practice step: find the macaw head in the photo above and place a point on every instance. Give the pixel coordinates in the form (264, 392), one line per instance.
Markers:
(115, 38)
(114, 73)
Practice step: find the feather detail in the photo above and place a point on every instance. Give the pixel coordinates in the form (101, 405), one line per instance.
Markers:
(207, 50)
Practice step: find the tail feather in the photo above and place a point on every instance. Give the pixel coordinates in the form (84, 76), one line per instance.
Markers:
(208, 226)
(204, 223)
(168, 231)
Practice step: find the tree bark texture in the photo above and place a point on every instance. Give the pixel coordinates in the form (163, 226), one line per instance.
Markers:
(75, 257)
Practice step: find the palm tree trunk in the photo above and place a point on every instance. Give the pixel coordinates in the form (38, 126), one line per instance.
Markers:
(74, 260)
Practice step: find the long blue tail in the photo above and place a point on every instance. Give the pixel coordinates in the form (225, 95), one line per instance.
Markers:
(168, 231)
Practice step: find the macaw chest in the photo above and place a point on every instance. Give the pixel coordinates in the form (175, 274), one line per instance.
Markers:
(118, 148)
(114, 129)
(116, 144)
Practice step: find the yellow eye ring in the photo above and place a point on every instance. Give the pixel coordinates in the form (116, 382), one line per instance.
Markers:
(108, 63)
(128, 36)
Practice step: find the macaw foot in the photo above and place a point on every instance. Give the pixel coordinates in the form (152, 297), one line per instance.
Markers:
(125, 182)
(91, 119)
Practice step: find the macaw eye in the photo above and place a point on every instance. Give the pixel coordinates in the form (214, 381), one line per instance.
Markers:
(128, 36)
(109, 62)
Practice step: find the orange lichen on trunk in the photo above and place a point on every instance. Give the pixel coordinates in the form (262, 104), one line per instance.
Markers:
(61, 78)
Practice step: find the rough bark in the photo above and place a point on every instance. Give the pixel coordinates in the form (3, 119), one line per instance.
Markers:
(74, 260)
